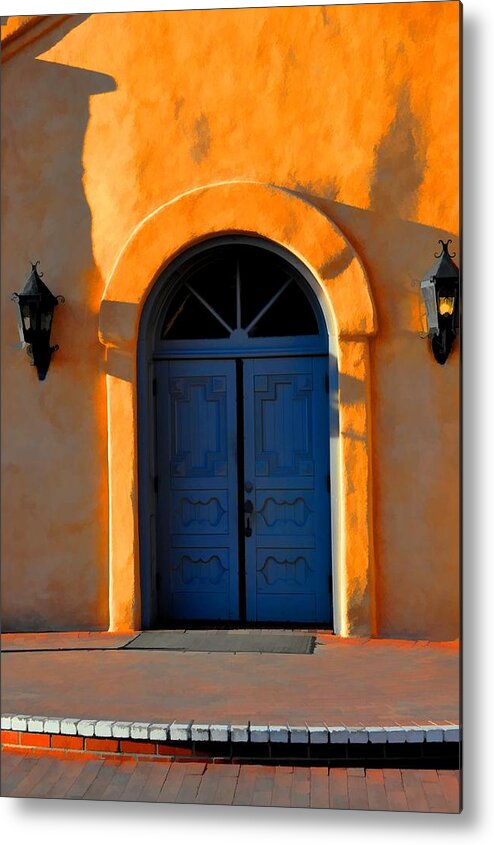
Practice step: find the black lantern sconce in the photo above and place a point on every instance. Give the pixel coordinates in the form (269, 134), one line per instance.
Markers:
(35, 305)
(440, 290)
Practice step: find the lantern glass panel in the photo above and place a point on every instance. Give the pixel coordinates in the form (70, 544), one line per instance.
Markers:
(20, 324)
(429, 297)
(46, 321)
(446, 305)
(27, 317)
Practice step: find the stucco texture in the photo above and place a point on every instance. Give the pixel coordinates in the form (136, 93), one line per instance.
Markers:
(106, 118)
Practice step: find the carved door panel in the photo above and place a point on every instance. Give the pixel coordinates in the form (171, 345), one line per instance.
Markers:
(287, 510)
(197, 524)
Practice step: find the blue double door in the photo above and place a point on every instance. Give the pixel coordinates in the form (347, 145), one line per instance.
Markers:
(243, 510)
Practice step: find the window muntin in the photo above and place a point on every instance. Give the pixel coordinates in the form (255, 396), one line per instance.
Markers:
(243, 290)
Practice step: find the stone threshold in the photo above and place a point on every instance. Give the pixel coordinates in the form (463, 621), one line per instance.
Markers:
(236, 734)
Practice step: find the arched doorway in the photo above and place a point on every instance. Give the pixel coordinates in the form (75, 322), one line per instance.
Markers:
(129, 304)
(234, 432)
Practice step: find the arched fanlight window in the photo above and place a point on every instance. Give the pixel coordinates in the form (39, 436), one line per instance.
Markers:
(238, 293)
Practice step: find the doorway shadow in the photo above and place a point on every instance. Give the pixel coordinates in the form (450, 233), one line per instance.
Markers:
(46, 217)
(415, 419)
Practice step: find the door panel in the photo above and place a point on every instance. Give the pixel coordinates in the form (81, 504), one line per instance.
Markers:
(196, 438)
(286, 447)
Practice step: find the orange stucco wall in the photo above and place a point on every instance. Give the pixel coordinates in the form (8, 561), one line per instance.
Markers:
(107, 117)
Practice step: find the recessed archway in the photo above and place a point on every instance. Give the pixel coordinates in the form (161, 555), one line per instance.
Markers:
(235, 391)
(343, 291)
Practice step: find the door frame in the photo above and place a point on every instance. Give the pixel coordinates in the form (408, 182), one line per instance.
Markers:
(147, 353)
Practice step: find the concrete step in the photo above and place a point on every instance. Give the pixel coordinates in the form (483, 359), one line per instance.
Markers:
(324, 744)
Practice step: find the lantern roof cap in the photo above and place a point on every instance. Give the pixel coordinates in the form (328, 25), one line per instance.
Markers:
(444, 267)
(36, 287)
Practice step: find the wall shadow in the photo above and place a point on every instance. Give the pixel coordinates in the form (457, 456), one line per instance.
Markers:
(46, 216)
(415, 424)
(399, 163)
(395, 252)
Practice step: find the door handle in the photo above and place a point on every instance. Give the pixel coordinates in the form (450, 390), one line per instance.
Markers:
(248, 511)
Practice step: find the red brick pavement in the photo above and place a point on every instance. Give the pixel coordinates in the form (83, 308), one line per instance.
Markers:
(347, 682)
(429, 791)
(65, 640)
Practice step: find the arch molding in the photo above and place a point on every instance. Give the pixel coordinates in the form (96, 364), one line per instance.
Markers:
(288, 220)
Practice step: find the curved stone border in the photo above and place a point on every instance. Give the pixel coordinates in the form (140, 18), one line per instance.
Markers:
(342, 286)
(177, 731)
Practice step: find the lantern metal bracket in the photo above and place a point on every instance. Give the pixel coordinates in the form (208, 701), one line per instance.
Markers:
(30, 354)
(445, 249)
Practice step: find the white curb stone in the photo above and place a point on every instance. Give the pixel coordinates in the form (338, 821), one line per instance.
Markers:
(318, 734)
(85, 727)
(139, 730)
(6, 723)
(396, 735)
(35, 724)
(278, 733)
(433, 734)
(259, 733)
(358, 735)
(199, 732)
(338, 734)
(52, 726)
(414, 734)
(240, 733)
(19, 723)
(219, 733)
(68, 727)
(377, 735)
(158, 732)
(121, 730)
(299, 733)
(180, 731)
(103, 728)
(451, 733)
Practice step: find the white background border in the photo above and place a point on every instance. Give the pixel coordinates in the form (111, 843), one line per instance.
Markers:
(61, 822)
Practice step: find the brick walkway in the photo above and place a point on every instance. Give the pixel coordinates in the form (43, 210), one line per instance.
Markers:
(345, 682)
(429, 791)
